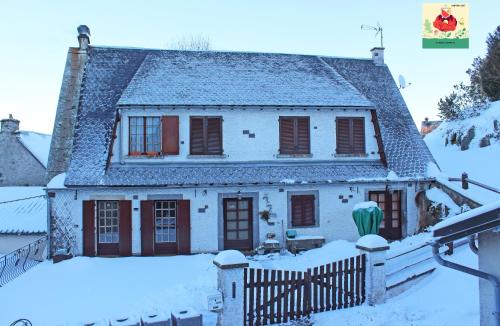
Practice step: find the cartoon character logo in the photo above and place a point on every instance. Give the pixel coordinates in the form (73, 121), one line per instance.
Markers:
(445, 22)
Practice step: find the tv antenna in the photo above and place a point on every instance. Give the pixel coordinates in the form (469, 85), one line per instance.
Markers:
(378, 30)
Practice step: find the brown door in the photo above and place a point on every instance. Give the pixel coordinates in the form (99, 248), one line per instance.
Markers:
(125, 226)
(390, 203)
(165, 227)
(238, 223)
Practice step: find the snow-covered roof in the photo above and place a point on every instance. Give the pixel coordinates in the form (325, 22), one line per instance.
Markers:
(119, 76)
(476, 220)
(23, 210)
(38, 144)
(237, 78)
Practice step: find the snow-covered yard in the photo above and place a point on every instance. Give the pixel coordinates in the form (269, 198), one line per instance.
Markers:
(88, 289)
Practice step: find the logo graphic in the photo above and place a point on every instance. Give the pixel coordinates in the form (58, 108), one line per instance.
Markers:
(445, 26)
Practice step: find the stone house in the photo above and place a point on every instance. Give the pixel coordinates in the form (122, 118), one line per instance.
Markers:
(23, 159)
(166, 152)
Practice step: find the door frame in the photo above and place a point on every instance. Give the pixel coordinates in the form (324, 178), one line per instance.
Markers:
(249, 221)
(255, 216)
(402, 209)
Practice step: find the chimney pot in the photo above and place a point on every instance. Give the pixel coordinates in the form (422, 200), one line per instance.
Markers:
(378, 56)
(83, 37)
(9, 125)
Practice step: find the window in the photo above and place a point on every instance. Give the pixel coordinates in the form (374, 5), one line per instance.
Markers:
(206, 136)
(165, 221)
(303, 210)
(351, 135)
(294, 135)
(145, 135)
(108, 217)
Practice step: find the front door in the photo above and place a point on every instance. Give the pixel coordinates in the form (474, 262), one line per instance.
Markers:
(165, 229)
(108, 227)
(390, 203)
(238, 223)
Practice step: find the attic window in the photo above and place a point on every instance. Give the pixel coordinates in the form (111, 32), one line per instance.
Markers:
(294, 135)
(144, 136)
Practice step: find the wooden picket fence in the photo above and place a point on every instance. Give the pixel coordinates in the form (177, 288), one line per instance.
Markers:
(277, 296)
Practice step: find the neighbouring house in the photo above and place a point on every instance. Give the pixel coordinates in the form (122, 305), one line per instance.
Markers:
(428, 126)
(23, 217)
(164, 152)
(24, 154)
(482, 223)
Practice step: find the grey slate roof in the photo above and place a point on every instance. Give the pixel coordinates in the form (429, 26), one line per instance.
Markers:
(232, 78)
(257, 173)
(123, 76)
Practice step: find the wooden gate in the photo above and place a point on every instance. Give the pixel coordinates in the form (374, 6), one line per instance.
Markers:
(277, 296)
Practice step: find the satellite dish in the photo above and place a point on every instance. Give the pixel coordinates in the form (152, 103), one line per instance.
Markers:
(402, 82)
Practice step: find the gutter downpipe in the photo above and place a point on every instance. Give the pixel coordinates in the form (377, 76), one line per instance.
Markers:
(493, 279)
(472, 244)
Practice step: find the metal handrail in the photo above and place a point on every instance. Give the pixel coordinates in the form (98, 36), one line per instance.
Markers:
(10, 266)
(466, 180)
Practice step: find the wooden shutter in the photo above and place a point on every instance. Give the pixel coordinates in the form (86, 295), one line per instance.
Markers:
(302, 139)
(343, 136)
(287, 135)
(170, 135)
(88, 228)
(183, 227)
(358, 135)
(125, 226)
(303, 210)
(214, 136)
(197, 139)
(147, 228)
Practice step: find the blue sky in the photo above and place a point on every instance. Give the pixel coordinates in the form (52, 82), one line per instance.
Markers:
(35, 36)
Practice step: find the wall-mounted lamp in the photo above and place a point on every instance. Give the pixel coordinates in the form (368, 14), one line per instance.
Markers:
(239, 194)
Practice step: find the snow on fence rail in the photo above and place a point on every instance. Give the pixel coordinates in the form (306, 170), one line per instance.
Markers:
(19, 261)
(411, 263)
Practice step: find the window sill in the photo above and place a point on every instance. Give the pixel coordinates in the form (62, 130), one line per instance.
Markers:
(351, 155)
(294, 155)
(206, 156)
(143, 157)
(304, 227)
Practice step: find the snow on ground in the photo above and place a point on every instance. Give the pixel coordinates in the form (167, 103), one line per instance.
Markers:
(27, 215)
(37, 143)
(481, 164)
(87, 289)
(446, 297)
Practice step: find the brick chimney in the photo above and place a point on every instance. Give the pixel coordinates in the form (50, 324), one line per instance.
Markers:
(83, 37)
(378, 56)
(9, 125)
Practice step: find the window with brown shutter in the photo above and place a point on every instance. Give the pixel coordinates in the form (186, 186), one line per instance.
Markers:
(206, 136)
(350, 135)
(303, 210)
(294, 135)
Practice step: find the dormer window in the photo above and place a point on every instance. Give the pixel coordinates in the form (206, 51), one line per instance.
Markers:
(145, 135)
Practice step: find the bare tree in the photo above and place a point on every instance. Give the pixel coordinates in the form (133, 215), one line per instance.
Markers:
(193, 43)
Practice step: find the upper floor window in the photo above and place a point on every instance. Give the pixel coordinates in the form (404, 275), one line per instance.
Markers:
(350, 135)
(154, 135)
(294, 135)
(206, 136)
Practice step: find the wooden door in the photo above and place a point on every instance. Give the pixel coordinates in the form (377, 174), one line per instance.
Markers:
(238, 223)
(147, 228)
(390, 203)
(183, 227)
(125, 241)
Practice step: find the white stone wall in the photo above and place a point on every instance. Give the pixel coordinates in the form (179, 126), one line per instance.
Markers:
(264, 124)
(489, 262)
(335, 216)
(11, 242)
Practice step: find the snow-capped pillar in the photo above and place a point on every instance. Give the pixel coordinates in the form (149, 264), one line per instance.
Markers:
(374, 247)
(230, 265)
